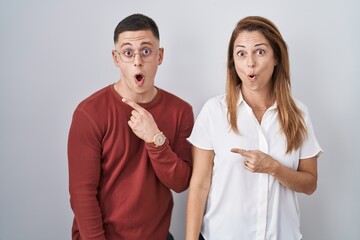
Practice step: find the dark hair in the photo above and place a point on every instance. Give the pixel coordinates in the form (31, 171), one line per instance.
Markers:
(136, 22)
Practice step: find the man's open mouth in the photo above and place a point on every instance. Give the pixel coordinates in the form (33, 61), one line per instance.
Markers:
(139, 77)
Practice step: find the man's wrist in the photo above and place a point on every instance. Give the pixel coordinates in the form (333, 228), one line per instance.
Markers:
(158, 139)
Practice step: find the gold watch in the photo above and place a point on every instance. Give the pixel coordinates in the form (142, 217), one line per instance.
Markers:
(159, 139)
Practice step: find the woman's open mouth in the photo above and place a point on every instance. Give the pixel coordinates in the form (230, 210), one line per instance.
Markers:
(251, 76)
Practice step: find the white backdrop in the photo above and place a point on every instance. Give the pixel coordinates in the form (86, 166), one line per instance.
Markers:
(53, 54)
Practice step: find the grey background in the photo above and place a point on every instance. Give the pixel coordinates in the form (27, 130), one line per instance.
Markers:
(53, 54)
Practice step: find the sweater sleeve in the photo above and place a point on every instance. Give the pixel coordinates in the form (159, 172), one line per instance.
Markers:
(172, 162)
(84, 159)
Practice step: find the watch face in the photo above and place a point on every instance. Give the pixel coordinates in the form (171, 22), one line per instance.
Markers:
(159, 139)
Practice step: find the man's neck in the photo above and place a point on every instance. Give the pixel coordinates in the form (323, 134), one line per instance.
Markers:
(136, 97)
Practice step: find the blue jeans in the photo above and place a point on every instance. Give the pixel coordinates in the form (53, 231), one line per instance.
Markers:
(169, 236)
(201, 237)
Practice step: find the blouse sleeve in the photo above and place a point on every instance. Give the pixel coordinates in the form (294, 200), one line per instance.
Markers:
(200, 135)
(310, 147)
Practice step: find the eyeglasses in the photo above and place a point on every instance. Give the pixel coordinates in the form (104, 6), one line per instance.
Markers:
(147, 55)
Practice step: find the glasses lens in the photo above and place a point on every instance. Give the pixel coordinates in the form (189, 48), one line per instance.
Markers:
(126, 56)
(147, 55)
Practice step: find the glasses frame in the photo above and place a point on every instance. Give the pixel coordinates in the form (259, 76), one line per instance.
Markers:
(141, 56)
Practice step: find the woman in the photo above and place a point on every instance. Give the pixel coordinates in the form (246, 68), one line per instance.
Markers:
(253, 147)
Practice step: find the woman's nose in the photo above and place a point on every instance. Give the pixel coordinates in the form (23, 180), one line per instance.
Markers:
(251, 62)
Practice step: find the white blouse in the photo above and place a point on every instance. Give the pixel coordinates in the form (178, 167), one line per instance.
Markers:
(242, 204)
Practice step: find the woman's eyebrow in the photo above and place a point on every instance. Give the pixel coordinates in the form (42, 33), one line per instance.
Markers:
(261, 44)
(256, 45)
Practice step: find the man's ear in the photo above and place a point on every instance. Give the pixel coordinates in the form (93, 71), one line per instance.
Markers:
(115, 57)
(161, 56)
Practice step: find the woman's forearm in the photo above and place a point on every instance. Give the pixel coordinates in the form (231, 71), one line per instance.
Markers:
(200, 182)
(303, 180)
(195, 211)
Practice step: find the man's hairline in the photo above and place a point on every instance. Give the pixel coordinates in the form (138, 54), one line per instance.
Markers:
(158, 39)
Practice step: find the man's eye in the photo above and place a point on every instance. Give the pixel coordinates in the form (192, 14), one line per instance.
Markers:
(146, 52)
(128, 53)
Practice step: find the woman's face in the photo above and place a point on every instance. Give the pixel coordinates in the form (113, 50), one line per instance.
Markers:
(254, 60)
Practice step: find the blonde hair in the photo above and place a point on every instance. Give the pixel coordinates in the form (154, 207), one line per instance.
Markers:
(290, 117)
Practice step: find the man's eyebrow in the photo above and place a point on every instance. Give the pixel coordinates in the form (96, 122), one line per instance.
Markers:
(146, 43)
(125, 44)
(129, 44)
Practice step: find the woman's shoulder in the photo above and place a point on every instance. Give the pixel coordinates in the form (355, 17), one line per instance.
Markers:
(301, 106)
(217, 101)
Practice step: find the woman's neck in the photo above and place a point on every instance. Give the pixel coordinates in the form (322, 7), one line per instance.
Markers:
(258, 100)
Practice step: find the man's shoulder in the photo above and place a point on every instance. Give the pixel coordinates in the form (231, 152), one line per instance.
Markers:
(97, 98)
(171, 98)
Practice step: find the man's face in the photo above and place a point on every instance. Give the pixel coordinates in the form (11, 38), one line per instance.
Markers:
(138, 56)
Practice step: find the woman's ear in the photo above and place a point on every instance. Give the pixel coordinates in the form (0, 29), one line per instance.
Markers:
(276, 62)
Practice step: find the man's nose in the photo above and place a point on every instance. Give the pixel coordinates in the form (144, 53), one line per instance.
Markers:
(137, 59)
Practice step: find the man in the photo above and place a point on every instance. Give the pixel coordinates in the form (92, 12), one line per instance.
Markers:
(127, 145)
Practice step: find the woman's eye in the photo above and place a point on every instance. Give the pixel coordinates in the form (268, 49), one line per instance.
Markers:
(240, 54)
(260, 52)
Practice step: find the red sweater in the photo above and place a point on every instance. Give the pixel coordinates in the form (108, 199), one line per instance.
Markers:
(119, 185)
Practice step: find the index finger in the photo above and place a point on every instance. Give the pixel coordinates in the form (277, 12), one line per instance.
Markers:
(242, 152)
(132, 104)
